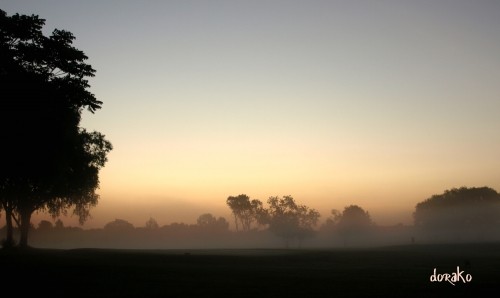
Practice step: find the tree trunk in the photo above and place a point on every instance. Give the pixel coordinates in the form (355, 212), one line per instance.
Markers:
(25, 228)
(9, 240)
(236, 222)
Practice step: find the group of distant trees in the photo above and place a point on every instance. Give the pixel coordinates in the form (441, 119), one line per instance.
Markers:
(294, 222)
(245, 211)
(461, 208)
(208, 231)
(353, 222)
(284, 217)
(469, 213)
(206, 222)
(50, 163)
(460, 214)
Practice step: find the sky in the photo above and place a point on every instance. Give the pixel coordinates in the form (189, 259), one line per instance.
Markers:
(376, 103)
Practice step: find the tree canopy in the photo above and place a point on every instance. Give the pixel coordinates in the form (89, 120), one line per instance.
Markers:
(245, 211)
(119, 225)
(49, 162)
(289, 220)
(354, 218)
(151, 224)
(208, 222)
(353, 225)
(475, 207)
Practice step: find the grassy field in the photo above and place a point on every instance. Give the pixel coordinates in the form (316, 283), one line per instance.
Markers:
(399, 271)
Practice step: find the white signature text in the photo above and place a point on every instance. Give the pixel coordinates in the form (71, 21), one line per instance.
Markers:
(453, 277)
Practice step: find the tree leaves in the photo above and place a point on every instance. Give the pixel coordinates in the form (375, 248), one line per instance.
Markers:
(459, 207)
(48, 162)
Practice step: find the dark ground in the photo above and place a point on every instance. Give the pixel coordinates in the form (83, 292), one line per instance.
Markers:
(399, 271)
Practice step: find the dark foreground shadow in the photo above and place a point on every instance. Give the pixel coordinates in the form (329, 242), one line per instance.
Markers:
(400, 271)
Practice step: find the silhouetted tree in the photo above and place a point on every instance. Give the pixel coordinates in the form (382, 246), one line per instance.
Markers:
(151, 224)
(210, 222)
(288, 220)
(245, 211)
(50, 162)
(222, 224)
(354, 221)
(59, 224)
(119, 225)
(175, 228)
(206, 219)
(333, 219)
(45, 225)
(462, 208)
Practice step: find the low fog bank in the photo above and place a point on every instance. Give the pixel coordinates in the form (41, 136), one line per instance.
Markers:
(192, 237)
(464, 215)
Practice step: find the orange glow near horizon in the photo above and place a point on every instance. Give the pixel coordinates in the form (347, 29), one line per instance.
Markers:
(380, 104)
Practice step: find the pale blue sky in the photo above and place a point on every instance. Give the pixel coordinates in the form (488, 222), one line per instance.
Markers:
(378, 103)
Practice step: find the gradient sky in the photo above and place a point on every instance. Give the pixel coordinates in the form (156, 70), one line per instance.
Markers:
(375, 103)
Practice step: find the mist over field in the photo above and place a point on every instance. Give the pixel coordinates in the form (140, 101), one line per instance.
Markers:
(221, 148)
(193, 236)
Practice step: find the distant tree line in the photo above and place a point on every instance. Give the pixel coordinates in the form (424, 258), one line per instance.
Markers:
(459, 214)
(49, 163)
(294, 222)
(283, 216)
(208, 231)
